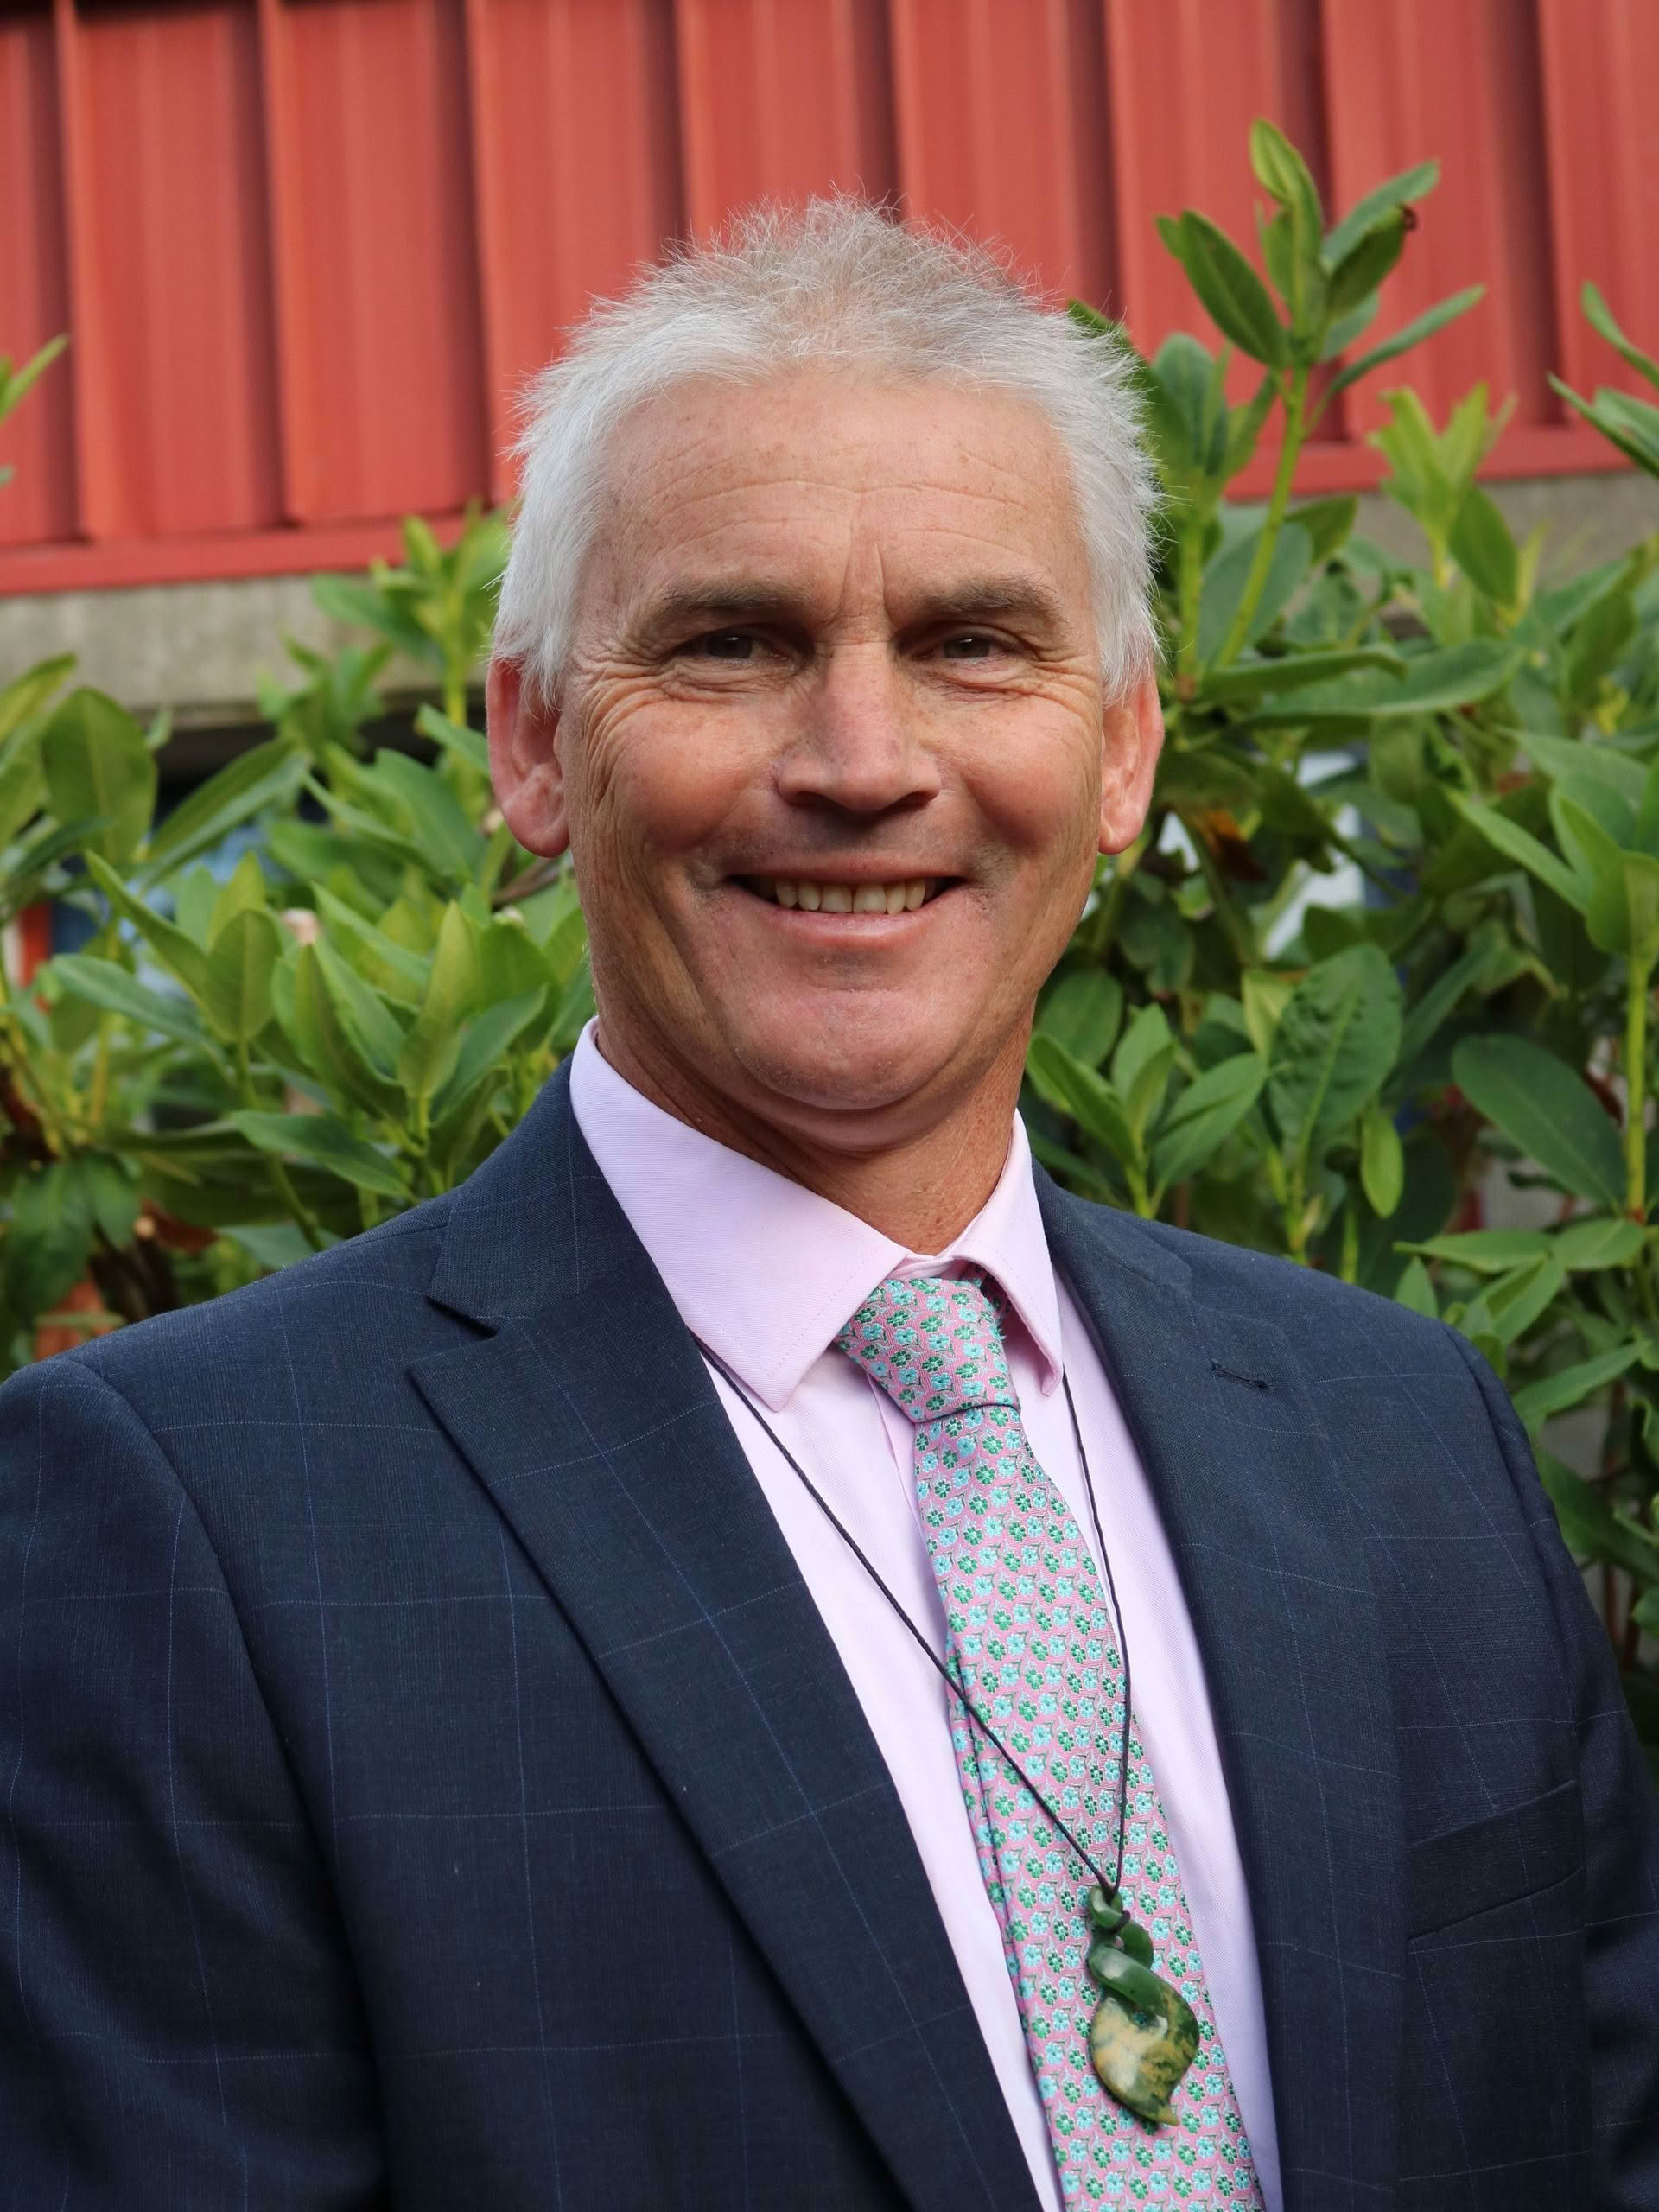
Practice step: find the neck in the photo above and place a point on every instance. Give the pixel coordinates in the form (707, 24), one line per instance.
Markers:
(921, 1189)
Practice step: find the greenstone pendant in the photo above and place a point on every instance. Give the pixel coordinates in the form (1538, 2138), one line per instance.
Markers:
(1144, 2035)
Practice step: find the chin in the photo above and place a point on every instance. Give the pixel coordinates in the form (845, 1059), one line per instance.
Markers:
(843, 1069)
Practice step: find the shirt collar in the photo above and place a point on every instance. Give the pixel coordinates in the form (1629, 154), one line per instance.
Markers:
(766, 1272)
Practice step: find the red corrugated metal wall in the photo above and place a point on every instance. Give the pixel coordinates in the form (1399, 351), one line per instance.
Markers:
(309, 250)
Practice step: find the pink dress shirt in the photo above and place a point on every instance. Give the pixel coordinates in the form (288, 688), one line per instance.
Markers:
(765, 1272)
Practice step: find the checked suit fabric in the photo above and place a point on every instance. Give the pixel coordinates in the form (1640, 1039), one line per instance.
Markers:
(1030, 1641)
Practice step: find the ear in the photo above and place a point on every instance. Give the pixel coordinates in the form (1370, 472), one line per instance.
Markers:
(1134, 734)
(525, 764)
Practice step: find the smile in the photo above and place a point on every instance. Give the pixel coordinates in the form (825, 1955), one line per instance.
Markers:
(902, 897)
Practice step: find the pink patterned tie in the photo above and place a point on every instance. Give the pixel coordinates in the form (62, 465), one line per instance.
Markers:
(1029, 1638)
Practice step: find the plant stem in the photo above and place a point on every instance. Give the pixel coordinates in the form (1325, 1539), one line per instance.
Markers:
(1295, 400)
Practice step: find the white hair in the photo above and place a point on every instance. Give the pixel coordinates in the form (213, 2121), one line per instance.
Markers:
(838, 284)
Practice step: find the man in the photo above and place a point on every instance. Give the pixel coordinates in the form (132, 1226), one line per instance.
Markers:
(709, 1667)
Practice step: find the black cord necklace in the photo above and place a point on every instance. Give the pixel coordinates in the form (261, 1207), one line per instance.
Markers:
(1144, 2036)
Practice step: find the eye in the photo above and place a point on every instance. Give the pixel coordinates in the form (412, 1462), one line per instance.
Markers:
(723, 644)
(968, 644)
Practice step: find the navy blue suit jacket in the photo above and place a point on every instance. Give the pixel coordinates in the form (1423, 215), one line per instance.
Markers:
(425, 1779)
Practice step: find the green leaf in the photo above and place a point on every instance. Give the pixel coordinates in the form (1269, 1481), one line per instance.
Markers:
(1231, 293)
(355, 599)
(243, 892)
(266, 775)
(45, 1251)
(1205, 1115)
(390, 966)
(1560, 1392)
(1264, 996)
(22, 699)
(485, 1044)
(1365, 214)
(1074, 1090)
(1382, 1161)
(433, 1046)
(1334, 1046)
(1584, 1247)
(271, 1245)
(328, 1038)
(113, 989)
(1367, 262)
(96, 763)
(1546, 1110)
(450, 845)
(466, 744)
(1484, 548)
(112, 1197)
(14, 385)
(1599, 642)
(1425, 1018)
(1281, 171)
(376, 1027)
(1631, 425)
(1227, 573)
(236, 997)
(1415, 1291)
(1590, 1528)
(1622, 913)
(1329, 523)
(23, 792)
(1563, 760)
(1451, 675)
(182, 958)
(1241, 681)
(1145, 1041)
(1083, 1012)
(1343, 332)
(1599, 316)
(1518, 1299)
(1484, 1251)
(329, 1142)
(1408, 335)
(1520, 845)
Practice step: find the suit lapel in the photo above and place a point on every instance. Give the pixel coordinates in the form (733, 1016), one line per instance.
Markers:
(590, 1418)
(1273, 1568)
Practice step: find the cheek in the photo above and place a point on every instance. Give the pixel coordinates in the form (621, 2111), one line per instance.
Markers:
(1042, 801)
(648, 788)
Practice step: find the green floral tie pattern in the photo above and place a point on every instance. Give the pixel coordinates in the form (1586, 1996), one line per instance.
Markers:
(1029, 1640)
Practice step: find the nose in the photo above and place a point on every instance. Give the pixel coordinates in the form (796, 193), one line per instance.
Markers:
(858, 748)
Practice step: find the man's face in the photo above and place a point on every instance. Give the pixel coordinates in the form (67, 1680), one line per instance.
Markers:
(832, 756)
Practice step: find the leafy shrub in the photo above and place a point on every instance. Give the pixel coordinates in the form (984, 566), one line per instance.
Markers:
(1459, 762)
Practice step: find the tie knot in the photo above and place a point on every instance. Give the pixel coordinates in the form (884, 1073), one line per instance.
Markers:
(934, 1346)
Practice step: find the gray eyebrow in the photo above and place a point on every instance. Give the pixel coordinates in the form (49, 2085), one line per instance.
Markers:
(741, 600)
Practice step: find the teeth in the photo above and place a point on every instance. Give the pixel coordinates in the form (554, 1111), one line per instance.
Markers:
(902, 898)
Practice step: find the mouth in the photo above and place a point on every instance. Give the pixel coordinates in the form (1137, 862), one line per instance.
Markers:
(815, 895)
